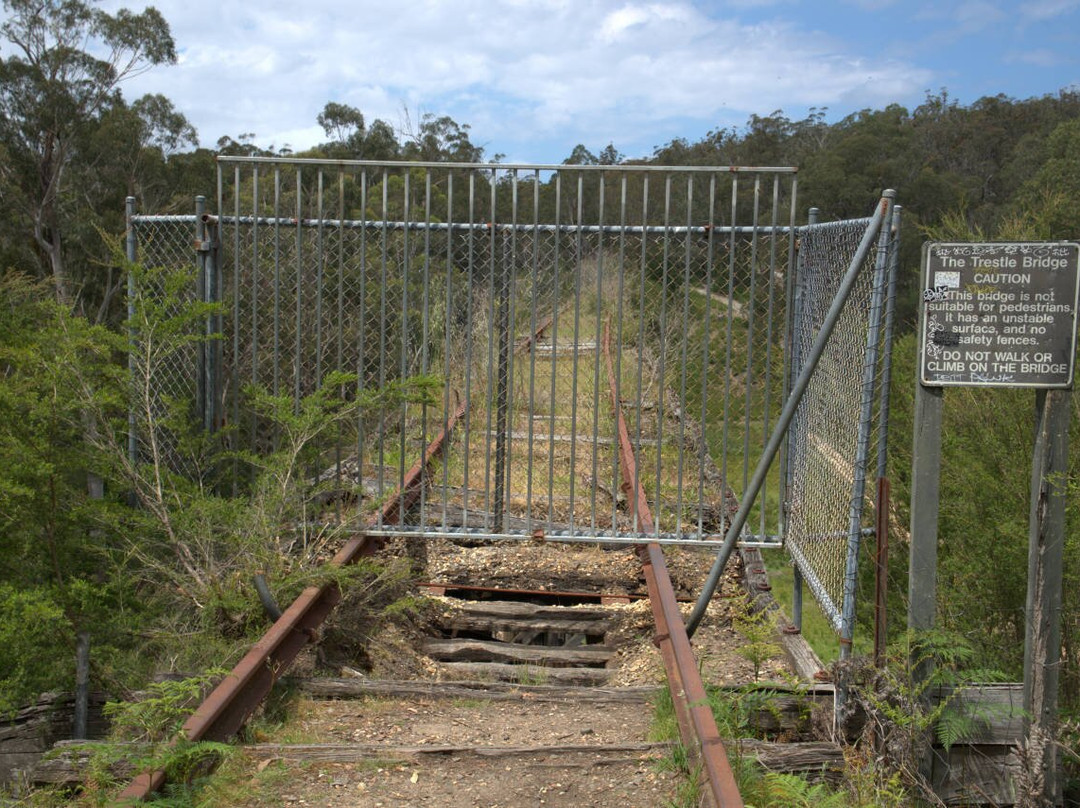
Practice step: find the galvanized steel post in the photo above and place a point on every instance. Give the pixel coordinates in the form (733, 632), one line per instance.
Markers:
(858, 490)
(131, 246)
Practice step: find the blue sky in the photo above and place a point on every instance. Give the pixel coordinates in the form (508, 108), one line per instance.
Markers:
(535, 77)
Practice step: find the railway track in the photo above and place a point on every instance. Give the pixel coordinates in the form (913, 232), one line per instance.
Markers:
(524, 710)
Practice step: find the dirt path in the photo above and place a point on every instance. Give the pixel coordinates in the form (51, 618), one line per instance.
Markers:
(503, 745)
(490, 753)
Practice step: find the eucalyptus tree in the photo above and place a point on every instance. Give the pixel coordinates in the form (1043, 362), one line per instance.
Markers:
(59, 80)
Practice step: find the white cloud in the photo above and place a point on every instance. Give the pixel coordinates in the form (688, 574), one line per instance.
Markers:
(1042, 10)
(522, 72)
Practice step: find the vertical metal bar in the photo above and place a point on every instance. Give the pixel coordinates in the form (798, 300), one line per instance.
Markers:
(862, 454)
(556, 295)
(469, 286)
(795, 318)
(131, 243)
(277, 285)
(532, 346)
(340, 330)
(705, 345)
(578, 249)
(661, 373)
(642, 297)
(234, 386)
(881, 571)
(448, 317)
(320, 270)
(510, 272)
(684, 359)
(214, 336)
(621, 269)
(751, 318)
(298, 365)
(490, 397)
(596, 354)
(202, 292)
(729, 333)
(502, 328)
(887, 341)
(774, 235)
(384, 248)
(425, 327)
(361, 342)
(403, 372)
(255, 264)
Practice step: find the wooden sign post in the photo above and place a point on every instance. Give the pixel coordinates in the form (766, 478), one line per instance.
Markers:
(1002, 315)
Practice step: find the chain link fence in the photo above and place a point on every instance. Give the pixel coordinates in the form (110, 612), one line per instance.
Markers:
(437, 285)
(838, 434)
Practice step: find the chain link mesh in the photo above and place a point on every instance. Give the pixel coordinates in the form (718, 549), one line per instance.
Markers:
(167, 371)
(833, 437)
(497, 285)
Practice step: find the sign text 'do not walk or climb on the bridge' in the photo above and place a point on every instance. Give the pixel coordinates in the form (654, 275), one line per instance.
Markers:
(1000, 315)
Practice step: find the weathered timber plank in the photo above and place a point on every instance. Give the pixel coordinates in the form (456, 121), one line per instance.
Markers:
(518, 610)
(817, 760)
(491, 691)
(484, 651)
(69, 764)
(976, 775)
(34, 729)
(997, 712)
(498, 671)
(344, 753)
(465, 622)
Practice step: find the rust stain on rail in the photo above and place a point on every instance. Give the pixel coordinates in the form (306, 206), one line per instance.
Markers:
(697, 727)
(235, 698)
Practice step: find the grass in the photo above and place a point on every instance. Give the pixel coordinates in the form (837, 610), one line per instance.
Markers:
(733, 710)
(816, 628)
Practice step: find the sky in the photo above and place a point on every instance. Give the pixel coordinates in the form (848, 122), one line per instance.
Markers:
(533, 78)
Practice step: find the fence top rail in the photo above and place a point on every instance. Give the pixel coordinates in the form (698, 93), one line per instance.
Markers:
(224, 159)
(271, 221)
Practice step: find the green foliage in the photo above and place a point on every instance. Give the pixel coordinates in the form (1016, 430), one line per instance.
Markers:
(59, 567)
(35, 639)
(158, 715)
(734, 712)
(791, 791)
(759, 637)
(59, 84)
(916, 696)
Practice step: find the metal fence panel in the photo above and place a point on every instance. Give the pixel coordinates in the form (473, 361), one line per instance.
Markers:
(391, 272)
(494, 283)
(832, 442)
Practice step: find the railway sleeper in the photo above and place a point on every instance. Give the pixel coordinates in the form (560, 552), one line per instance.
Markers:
(524, 641)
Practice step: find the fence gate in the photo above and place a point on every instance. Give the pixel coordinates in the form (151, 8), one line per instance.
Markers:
(488, 288)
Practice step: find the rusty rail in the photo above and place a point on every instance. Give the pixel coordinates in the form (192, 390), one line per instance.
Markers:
(697, 726)
(236, 697)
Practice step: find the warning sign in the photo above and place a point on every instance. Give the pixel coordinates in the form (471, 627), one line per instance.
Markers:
(1000, 315)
